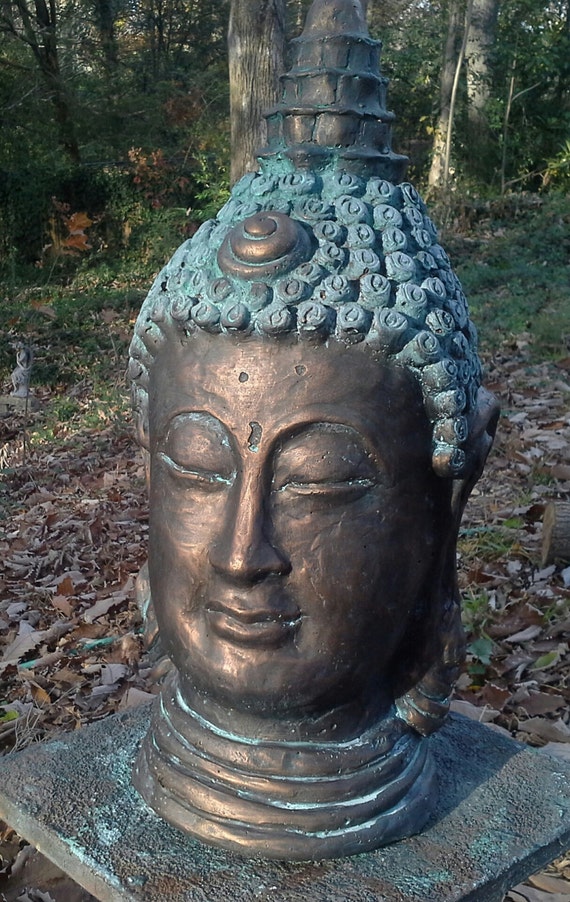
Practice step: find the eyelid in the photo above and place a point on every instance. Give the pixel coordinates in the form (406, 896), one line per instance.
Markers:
(334, 472)
(199, 475)
(328, 452)
(327, 487)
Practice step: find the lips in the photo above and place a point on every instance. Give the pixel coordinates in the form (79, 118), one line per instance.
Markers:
(253, 624)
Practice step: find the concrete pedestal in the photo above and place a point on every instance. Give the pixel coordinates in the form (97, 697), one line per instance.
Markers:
(14, 404)
(503, 813)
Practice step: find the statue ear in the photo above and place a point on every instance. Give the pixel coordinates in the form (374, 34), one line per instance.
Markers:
(481, 436)
(425, 705)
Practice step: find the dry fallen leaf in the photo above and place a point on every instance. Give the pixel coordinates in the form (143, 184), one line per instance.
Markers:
(549, 884)
(542, 703)
(485, 714)
(66, 587)
(21, 645)
(552, 731)
(495, 696)
(104, 605)
(134, 697)
(531, 632)
(40, 696)
(112, 673)
(34, 895)
(525, 893)
(63, 604)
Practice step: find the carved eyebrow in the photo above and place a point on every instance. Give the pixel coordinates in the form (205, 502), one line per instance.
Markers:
(201, 418)
(290, 430)
(326, 428)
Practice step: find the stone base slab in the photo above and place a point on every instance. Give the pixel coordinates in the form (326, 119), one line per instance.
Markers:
(503, 813)
(10, 404)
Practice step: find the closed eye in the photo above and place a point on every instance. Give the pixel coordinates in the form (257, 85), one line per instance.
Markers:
(348, 488)
(326, 460)
(208, 479)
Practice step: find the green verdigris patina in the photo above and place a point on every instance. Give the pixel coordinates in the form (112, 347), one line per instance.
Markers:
(328, 241)
(364, 265)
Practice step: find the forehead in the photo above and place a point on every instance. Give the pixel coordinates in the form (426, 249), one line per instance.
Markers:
(284, 383)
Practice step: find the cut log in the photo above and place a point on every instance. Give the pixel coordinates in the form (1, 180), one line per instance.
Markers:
(556, 533)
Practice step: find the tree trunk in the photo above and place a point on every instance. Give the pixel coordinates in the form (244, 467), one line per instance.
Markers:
(42, 40)
(437, 174)
(255, 48)
(563, 80)
(106, 24)
(478, 61)
(556, 533)
(506, 118)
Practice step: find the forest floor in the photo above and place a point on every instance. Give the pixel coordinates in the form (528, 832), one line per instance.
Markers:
(73, 533)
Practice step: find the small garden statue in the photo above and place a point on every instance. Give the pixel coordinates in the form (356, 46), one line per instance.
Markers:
(312, 420)
(22, 372)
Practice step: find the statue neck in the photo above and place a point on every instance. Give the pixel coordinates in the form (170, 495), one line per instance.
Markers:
(339, 722)
(283, 798)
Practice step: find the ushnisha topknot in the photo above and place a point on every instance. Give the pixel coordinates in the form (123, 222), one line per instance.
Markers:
(327, 242)
(327, 256)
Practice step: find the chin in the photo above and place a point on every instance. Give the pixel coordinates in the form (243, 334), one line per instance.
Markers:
(291, 690)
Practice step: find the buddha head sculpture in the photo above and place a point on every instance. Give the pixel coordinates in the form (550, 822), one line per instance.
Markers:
(311, 414)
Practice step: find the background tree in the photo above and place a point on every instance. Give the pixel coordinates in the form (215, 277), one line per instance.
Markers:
(37, 26)
(531, 90)
(256, 39)
(479, 54)
(438, 172)
(145, 136)
(106, 13)
(120, 108)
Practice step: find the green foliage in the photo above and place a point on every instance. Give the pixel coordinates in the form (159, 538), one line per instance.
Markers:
(514, 269)
(533, 49)
(481, 649)
(64, 325)
(475, 612)
(7, 716)
(488, 542)
(150, 80)
(104, 405)
(146, 93)
(144, 207)
(411, 35)
(558, 169)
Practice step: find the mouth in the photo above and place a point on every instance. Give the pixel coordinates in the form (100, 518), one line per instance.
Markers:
(253, 627)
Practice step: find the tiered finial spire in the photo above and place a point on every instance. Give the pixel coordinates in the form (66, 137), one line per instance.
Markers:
(334, 97)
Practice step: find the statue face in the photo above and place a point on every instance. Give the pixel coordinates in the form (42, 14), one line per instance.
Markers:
(295, 520)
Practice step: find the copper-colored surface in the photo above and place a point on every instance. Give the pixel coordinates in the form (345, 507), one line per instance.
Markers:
(278, 479)
(264, 244)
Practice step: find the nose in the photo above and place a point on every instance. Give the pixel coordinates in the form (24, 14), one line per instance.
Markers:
(243, 552)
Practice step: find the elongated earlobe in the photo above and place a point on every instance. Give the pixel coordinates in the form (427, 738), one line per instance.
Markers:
(425, 705)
